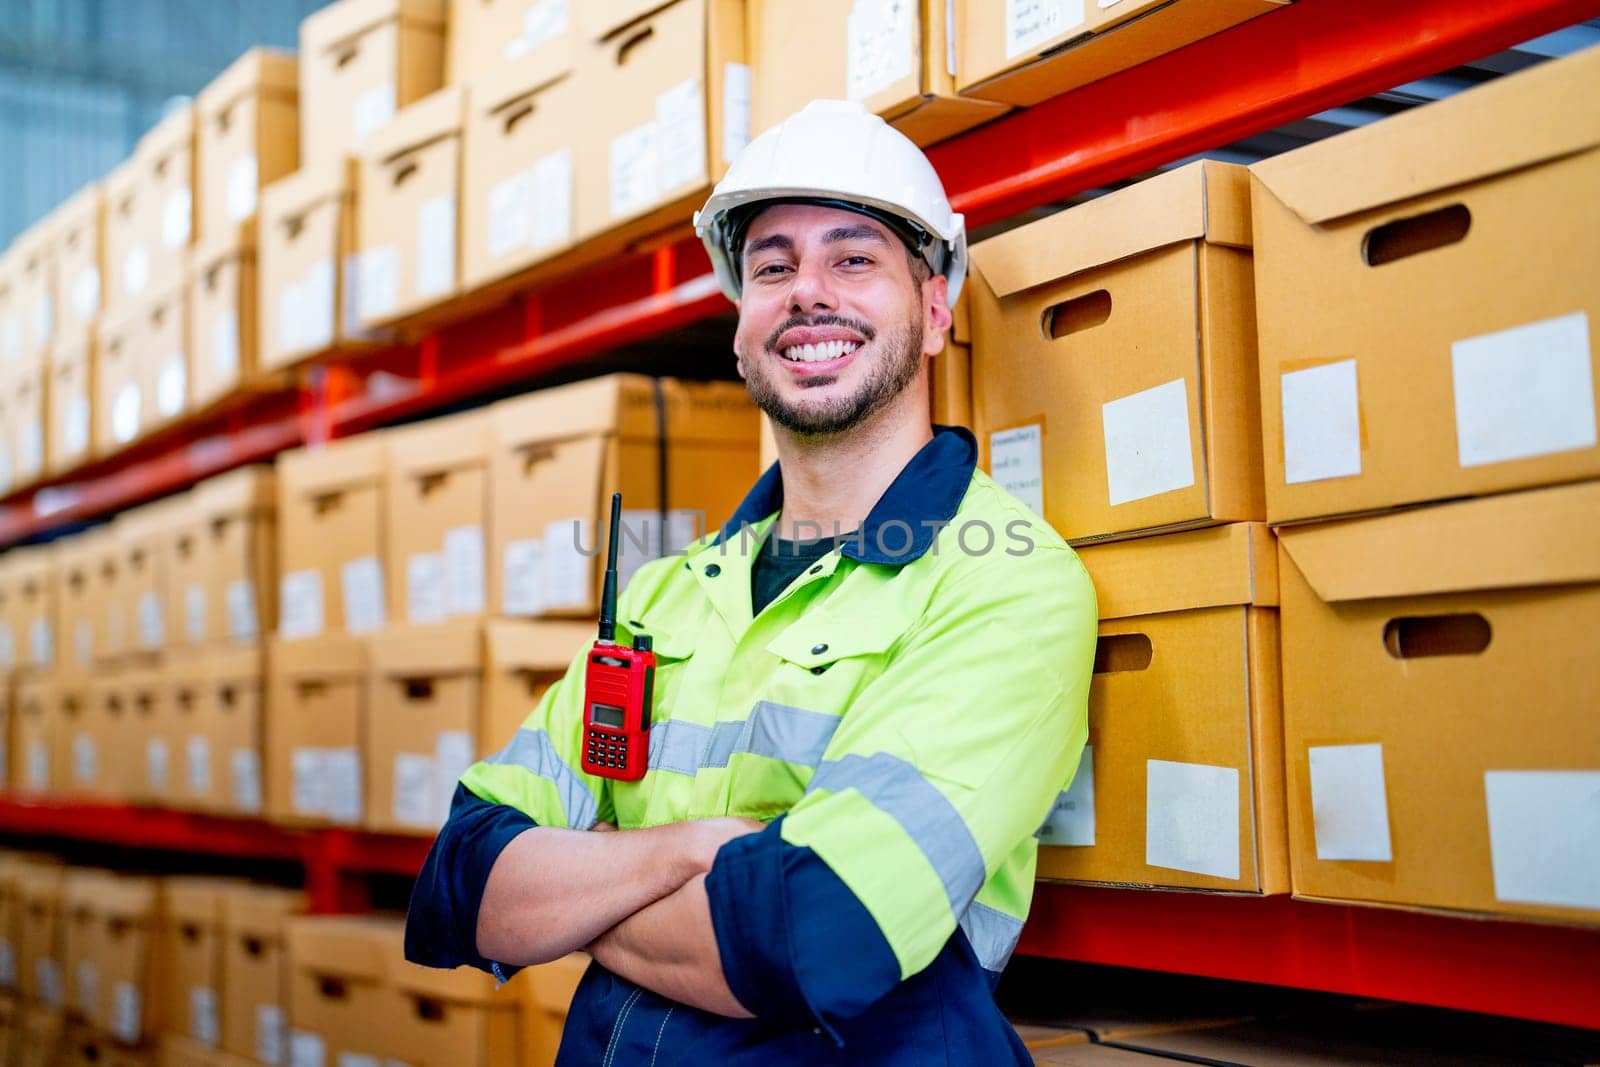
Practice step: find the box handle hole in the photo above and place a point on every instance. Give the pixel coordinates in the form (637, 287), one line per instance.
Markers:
(346, 56)
(332, 988)
(418, 688)
(1420, 636)
(1116, 653)
(516, 117)
(1076, 315)
(633, 42)
(254, 947)
(428, 1009)
(1418, 234)
(404, 174)
(325, 503)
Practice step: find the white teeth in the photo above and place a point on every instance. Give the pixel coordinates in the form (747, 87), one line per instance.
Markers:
(819, 352)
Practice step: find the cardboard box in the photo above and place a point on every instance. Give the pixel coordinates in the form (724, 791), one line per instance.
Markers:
(524, 658)
(28, 423)
(768, 450)
(255, 970)
(524, 124)
(144, 540)
(487, 35)
(11, 864)
(119, 413)
(129, 247)
(457, 1017)
(1113, 351)
(167, 358)
(223, 325)
(1181, 784)
(189, 948)
(10, 649)
(188, 605)
(308, 244)
(1022, 54)
(85, 1046)
(33, 605)
(249, 137)
(237, 513)
(125, 908)
(74, 764)
(950, 374)
(155, 748)
(35, 740)
(79, 611)
(1461, 777)
(43, 1032)
(39, 943)
(560, 453)
(1425, 324)
(112, 635)
(668, 92)
(70, 427)
(108, 760)
(360, 62)
(10, 1027)
(408, 207)
(80, 251)
(341, 1001)
(547, 992)
(35, 280)
(331, 552)
(437, 508)
(233, 709)
(12, 327)
(166, 156)
(316, 693)
(80, 936)
(897, 59)
(187, 731)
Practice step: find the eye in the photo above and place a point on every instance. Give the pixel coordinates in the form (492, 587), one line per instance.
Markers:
(767, 270)
(856, 261)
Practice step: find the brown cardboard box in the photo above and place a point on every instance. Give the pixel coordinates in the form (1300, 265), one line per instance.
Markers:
(29, 424)
(70, 427)
(85, 1046)
(668, 93)
(13, 330)
(11, 864)
(43, 1032)
(237, 515)
(408, 206)
(486, 35)
(341, 1000)
(144, 539)
(255, 971)
(113, 615)
(1424, 317)
(35, 741)
(524, 658)
(184, 577)
(331, 552)
(950, 376)
(1022, 54)
(80, 611)
(80, 264)
(154, 749)
(1181, 785)
(129, 246)
(81, 888)
(1439, 689)
(120, 412)
(166, 157)
(108, 761)
(233, 703)
(10, 1027)
(425, 691)
(308, 245)
(437, 507)
(10, 649)
(189, 948)
(1113, 351)
(456, 1017)
(34, 605)
(316, 697)
(768, 451)
(77, 739)
(524, 122)
(896, 58)
(360, 62)
(187, 731)
(547, 992)
(39, 943)
(223, 325)
(35, 281)
(560, 453)
(127, 907)
(166, 354)
(249, 137)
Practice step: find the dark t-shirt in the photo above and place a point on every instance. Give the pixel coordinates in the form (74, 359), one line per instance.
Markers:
(781, 562)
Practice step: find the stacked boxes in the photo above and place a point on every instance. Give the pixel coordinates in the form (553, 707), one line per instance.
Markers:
(436, 516)
(331, 551)
(249, 137)
(307, 302)
(315, 690)
(254, 970)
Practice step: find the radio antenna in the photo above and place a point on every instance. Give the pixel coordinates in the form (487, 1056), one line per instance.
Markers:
(608, 593)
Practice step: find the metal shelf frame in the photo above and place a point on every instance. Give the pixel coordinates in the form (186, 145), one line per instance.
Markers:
(1310, 56)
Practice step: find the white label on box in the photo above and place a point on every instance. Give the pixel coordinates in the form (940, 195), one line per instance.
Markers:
(30, 450)
(1527, 391)
(642, 538)
(309, 781)
(300, 604)
(352, 296)
(8, 964)
(511, 213)
(379, 287)
(735, 109)
(357, 1059)
(552, 200)
(522, 584)
(567, 571)
(1071, 818)
(1544, 836)
(136, 270)
(156, 760)
(452, 757)
(241, 596)
(269, 1034)
(177, 217)
(413, 789)
(1030, 23)
(436, 246)
(1321, 423)
(306, 1049)
(463, 563)
(225, 345)
(85, 760)
(343, 767)
(1147, 443)
(240, 197)
(75, 434)
(950, 33)
(681, 119)
(1192, 818)
(1016, 462)
(86, 294)
(194, 612)
(635, 170)
(313, 307)
(44, 320)
(126, 1010)
(426, 599)
(172, 385)
(41, 643)
(37, 759)
(152, 628)
(125, 413)
(197, 764)
(543, 21)
(8, 646)
(362, 582)
(83, 641)
(1349, 803)
(203, 1015)
(246, 766)
(88, 988)
(47, 974)
(878, 45)
(373, 108)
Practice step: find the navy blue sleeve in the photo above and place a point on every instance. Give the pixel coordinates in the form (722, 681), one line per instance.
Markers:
(442, 920)
(797, 946)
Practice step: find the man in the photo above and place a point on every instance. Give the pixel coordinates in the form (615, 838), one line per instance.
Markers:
(854, 737)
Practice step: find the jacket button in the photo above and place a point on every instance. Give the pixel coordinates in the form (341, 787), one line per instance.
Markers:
(817, 650)
(713, 570)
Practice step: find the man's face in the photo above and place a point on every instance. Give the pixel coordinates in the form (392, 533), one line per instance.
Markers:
(833, 324)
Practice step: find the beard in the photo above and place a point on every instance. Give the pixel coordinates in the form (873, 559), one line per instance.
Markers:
(893, 367)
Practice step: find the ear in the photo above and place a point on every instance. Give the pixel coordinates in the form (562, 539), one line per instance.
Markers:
(935, 314)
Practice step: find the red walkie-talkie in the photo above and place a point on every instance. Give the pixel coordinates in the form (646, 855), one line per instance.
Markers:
(618, 686)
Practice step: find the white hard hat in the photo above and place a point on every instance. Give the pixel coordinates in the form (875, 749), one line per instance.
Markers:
(836, 151)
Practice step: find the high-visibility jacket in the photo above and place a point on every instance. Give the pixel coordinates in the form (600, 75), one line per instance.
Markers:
(904, 714)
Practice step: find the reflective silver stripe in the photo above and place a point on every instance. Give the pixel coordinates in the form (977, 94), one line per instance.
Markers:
(776, 731)
(533, 751)
(992, 934)
(899, 790)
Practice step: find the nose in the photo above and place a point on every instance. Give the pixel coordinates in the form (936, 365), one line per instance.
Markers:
(812, 288)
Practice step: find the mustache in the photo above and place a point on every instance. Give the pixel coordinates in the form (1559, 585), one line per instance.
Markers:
(795, 322)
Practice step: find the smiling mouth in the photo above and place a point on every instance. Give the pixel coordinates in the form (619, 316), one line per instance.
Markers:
(819, 353)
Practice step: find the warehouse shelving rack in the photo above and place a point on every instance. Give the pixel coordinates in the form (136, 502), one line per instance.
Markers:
(1282, 67)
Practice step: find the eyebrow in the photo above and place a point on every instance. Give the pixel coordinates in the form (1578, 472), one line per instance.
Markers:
(838, 234)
